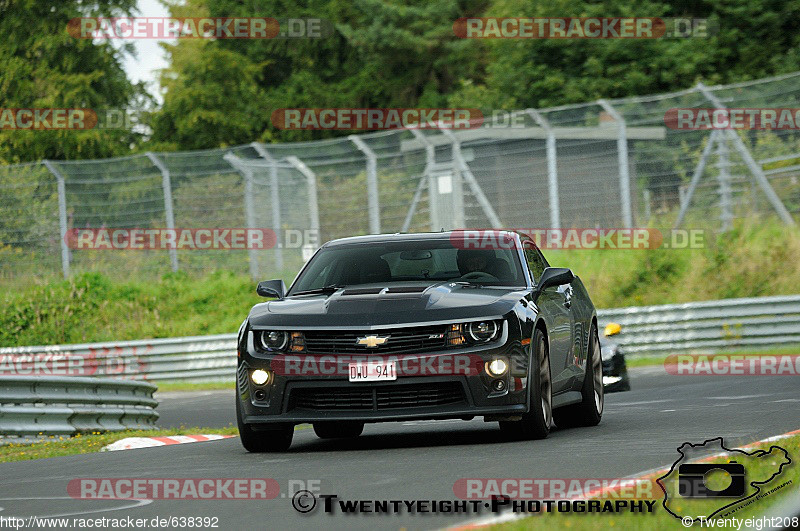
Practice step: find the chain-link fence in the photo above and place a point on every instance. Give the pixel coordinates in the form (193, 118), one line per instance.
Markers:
(614, 163)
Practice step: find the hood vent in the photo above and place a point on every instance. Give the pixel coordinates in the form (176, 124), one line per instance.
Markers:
(362, 291)
(407, 289)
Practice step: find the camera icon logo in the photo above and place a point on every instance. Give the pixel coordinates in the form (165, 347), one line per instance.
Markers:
(694, 479)
(708, 479)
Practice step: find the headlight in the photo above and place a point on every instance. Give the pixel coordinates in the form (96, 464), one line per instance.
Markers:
(481, 331)
(473, 333)
(497, 367)
(274, 339)
(259, 376)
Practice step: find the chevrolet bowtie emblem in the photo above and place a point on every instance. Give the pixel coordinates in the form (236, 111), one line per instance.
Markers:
(372, 341)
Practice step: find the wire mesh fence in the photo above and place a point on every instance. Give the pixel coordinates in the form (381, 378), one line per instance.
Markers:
(615, 163)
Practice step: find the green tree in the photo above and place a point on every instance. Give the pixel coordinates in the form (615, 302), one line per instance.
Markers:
(755, 38)
(43, 66)
(400, 53)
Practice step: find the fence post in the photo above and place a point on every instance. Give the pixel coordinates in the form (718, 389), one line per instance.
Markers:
(313, 203)
(433, 193)
(166, 184)
(698, 172)
(552, 168)
(755, 169)
(275, 201)
(373, 199)
(249, 212)
(463, 170)
(622, 158)
(724, 179)
(62, 215)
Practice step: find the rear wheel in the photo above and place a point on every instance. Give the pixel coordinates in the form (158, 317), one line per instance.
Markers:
(589, 410)
(535, 424)
(338, 430)
(277, 438)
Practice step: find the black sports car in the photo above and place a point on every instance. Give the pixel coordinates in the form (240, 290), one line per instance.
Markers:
(419, 326)
(615, 370)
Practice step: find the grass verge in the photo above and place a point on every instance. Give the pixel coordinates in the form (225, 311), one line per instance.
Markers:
(753, 259)
(91, 443)
(194, 386)
(649, 361)
(660, 518)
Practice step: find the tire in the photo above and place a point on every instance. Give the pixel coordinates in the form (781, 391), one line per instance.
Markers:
(535, 424)
(276, 438)
(338, 430)
(589, 410)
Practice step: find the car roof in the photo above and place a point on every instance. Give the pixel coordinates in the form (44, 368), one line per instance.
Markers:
(399, 237)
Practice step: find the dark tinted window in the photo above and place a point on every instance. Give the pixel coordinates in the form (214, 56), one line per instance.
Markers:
(411, 261)
(536, 262)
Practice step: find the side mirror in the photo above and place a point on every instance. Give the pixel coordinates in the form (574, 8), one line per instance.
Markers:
(271, 288)
(554, 276)
(612, 329)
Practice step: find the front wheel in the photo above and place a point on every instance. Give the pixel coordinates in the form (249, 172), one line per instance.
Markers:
(272, 439)
(589, 410)
(535, 424)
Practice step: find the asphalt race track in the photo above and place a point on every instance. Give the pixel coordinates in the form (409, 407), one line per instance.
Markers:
(412, 460)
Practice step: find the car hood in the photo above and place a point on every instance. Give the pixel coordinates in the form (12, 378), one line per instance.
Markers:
(365, 309)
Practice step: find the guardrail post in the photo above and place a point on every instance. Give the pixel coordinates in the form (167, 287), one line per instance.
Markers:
(466, 172)
(747, 157)
(622, 158)
(62, 215)
(373, 199)
(166, 184)
(552, 168)
(249, 212)
(275, 201)
(313, 202)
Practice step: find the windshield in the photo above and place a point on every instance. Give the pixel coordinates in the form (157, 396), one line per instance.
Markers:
(411, 261)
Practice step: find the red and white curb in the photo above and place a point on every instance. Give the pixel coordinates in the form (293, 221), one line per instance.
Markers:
(131, 443)
(647, 474)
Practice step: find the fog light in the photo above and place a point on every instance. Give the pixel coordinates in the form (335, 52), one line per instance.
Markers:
(499, 385)
(497, 367)
(259, 377)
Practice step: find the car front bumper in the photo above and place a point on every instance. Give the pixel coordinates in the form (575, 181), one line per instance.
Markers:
(303, 398)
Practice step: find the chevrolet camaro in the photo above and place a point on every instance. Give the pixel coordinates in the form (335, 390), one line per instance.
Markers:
(419, 326)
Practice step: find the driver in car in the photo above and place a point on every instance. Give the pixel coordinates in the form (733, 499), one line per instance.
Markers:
(472, 260)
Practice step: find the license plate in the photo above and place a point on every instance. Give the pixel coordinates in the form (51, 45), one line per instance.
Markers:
(372, 371)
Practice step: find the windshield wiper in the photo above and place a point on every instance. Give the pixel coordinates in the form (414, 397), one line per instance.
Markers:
(333, 288)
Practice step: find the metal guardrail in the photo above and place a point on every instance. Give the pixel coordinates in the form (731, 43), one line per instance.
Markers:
(32, 405)
(696, 327)
(196, 357)
(707, 327)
